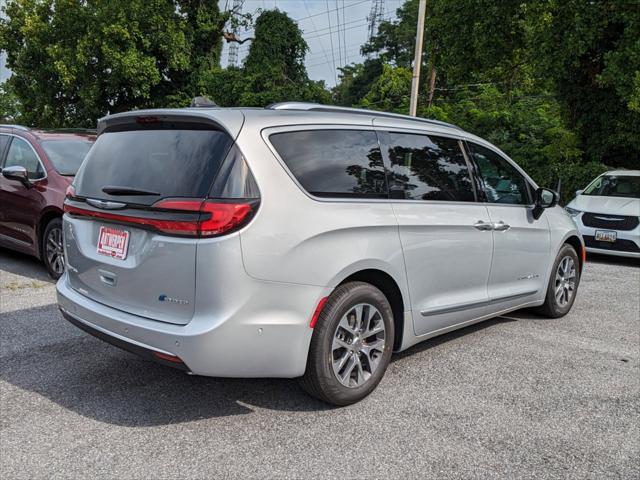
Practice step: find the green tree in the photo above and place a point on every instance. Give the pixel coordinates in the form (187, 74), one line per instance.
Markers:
(590, 52)
(274, 68)
(73, 62)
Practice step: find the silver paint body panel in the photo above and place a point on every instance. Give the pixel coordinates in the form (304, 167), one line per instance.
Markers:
(251, 294)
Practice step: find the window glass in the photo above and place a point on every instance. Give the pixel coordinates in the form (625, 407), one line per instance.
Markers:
(615, 186)
(166, 162)
(4, 141)
(501, 181)
(334, 163)
(428, 168)
(66, 155)
(21, 154)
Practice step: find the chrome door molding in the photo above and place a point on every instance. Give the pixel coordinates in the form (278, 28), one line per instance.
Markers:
(468, 306)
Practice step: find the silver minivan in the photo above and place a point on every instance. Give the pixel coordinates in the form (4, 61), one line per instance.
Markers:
(303, 240)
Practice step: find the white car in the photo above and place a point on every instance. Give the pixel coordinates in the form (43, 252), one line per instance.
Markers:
(607, 213)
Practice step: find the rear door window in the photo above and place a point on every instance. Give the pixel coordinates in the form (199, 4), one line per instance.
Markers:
(334, 163)
(165, 162)
(427, 167)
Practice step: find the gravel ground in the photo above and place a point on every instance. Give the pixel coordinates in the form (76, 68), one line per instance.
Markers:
(515, 397)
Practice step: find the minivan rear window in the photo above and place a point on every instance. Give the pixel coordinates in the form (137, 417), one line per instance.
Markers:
(166, 162)
(334, 163)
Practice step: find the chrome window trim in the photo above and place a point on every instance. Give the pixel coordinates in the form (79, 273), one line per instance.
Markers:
(32, 180)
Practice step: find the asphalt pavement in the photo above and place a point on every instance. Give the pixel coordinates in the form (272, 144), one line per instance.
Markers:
(515, 397)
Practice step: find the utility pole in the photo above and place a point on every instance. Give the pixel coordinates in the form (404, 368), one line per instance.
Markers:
(417, 58)
(233, 48)
(375, 17)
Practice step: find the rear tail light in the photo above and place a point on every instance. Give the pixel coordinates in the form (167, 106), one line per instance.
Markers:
(212, 219)
(215, 219)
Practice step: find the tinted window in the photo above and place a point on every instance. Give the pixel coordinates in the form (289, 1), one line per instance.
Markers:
(615, 186)
(501, 181)
(66, 155)
(428, 168)
(21, 154)
(4, 141)
(334, 163)
(172, 163)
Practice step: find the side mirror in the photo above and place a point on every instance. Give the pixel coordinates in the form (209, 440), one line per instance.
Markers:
(17, 173)
(545, 198)
(579, 192)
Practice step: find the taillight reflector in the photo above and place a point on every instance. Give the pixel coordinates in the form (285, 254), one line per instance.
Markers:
(318, 311)
(168, 358)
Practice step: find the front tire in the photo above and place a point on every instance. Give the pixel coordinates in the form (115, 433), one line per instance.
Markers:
(53, 248)
(563, 284)
(351, 345)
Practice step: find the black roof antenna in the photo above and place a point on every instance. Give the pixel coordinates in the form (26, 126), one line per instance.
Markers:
(202, 102)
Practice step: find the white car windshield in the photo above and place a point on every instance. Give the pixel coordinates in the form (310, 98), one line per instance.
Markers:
(615, 186)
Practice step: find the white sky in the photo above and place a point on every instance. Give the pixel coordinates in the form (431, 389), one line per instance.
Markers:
(328, 45)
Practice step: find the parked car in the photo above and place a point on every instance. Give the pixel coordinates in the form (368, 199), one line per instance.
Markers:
(303, 241)
(607, 213)
(36, 168)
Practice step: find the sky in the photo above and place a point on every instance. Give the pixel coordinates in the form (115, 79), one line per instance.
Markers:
(329, 47)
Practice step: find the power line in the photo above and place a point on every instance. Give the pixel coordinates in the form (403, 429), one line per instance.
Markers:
(328, 11)
(324, 52)
(333, 57)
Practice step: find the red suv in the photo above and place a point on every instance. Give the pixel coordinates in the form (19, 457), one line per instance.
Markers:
(36, 167)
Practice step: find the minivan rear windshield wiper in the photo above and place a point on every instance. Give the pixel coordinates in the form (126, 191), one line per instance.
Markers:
(110, 190)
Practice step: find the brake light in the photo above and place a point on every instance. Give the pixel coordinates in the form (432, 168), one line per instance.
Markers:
(216, 218)
(213, 218)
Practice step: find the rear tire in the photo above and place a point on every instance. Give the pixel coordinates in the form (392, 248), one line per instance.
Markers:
(563, 284)
(351, 345)
(53, 248)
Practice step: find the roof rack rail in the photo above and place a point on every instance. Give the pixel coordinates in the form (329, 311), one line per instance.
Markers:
(318, 107)
(19, 127)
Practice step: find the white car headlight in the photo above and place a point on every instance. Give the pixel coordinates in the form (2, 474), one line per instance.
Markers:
(572, 211)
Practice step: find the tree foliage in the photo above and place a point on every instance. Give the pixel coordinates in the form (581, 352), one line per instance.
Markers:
(273, 71)
(73, 62)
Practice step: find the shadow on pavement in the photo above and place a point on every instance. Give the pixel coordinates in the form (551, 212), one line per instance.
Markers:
(99, 381)
(23, 265)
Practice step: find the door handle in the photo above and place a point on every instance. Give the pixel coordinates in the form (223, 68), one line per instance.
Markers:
(480, 225)
(501, 226)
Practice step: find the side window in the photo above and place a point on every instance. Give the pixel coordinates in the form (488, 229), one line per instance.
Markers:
(501, 181)
(4, 141)
(21, 154)
(428, 168)
(334, 163)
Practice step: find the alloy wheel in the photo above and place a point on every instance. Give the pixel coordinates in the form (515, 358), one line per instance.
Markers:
(54, 251)
(358, 345)
(565, 285)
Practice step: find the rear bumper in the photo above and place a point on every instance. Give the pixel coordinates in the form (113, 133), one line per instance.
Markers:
(268, 337)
